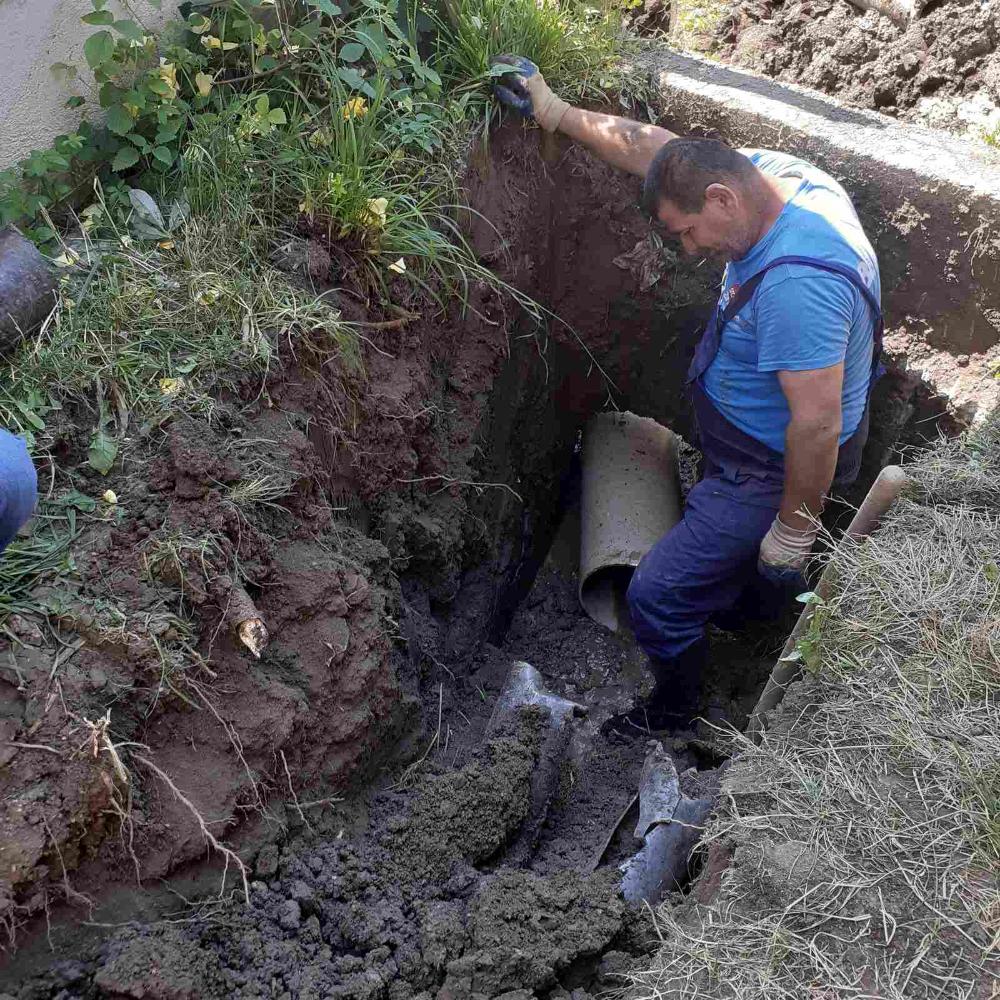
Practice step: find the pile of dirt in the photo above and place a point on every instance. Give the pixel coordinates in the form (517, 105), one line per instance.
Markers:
(943, 69)
(402, 913)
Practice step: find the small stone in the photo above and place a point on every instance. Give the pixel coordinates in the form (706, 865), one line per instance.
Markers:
(290, 916)
(98, 678)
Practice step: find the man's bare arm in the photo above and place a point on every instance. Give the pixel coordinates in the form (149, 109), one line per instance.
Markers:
(626, 144)
(812, 440)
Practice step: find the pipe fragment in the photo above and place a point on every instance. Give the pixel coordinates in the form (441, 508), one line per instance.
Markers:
(883, 493)
(524, 689)
(670, 825)
(525, 686)
(27, 288)
(630, 498)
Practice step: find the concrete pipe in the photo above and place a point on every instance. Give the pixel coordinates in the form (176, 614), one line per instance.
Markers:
(630, 498)
(880, 498)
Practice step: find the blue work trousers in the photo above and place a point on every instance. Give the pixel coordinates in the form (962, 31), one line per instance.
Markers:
(705, 568)
(18, 486)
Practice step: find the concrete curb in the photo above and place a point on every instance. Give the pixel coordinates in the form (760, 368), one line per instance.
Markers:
(929, 202)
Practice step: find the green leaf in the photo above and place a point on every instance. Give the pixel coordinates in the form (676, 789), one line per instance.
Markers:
(351, 52)
(99, 48)
(99, 17)
(119, 120)
(130, 30)
(126, 157)
(99, 4)
(164, 155)
(75, 102)
(355, 81)
(158, 86)
(33, 418)
(277, 117)
(64, 72)
(79, 500)
(102, 452)
(263, 105)
(325, 6)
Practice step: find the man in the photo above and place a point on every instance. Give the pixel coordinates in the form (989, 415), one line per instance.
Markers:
(780, 380)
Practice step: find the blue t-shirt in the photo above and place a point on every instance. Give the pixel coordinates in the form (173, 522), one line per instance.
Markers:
(800, 318)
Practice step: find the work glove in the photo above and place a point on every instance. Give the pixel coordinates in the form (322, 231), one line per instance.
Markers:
(785, 551)
(524, 89)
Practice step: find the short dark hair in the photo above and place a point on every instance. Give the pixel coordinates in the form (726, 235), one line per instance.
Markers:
(684, 168)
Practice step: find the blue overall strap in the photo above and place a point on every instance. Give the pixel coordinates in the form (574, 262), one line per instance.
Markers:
(708, 346)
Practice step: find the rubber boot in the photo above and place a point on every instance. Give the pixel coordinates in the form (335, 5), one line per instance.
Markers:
(674, 703)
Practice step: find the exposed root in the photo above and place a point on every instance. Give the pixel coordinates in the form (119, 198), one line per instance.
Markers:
(229, 855)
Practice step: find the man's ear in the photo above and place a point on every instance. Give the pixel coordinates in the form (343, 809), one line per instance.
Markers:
(722, 197)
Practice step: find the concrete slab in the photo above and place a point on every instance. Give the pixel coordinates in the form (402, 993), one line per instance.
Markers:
(929, 202)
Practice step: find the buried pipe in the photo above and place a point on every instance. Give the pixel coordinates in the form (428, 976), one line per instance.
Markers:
(880, 498)
(27, 288)
(630, 499)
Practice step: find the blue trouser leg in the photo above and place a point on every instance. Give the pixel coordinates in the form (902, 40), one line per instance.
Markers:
(18, 486)
(704, 565)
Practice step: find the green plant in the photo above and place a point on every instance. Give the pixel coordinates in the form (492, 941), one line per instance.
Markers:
(572, 43)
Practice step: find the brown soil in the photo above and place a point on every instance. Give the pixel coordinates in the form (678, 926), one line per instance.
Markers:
(943, 69)
(394, 571)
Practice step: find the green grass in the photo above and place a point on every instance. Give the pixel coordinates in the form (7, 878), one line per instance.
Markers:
(573, 43)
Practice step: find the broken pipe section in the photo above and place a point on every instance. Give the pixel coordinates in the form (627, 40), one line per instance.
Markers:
(669, 825)
(630, 499)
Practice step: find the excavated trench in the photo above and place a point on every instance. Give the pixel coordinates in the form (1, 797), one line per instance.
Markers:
(479, 855)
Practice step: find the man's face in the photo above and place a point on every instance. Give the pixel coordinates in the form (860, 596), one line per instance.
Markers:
(721, 230)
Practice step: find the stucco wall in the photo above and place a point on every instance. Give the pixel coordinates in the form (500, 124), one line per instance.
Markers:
(34, 34)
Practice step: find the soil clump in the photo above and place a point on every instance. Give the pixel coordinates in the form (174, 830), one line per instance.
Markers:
(943, 69)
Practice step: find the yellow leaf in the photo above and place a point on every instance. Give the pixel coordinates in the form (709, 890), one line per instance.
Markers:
(229, 46)
(374, 214)
(109, 496)
(168, 74)
(209, 296)
(399, 266)
(200, 26)
(204, 83)
(211, 41)
(354, 108)
(166, 244)
(171, 386)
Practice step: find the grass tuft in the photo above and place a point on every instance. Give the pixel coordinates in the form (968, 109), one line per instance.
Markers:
(866, 827)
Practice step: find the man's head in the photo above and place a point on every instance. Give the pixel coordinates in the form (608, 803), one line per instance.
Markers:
(707, 195)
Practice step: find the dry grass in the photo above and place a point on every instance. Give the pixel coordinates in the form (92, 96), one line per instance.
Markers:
(866, 828)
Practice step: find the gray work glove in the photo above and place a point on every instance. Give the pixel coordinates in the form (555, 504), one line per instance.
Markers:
(784, 552)
(524, 89)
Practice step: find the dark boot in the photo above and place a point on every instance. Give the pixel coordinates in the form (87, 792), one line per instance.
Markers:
(675, 700)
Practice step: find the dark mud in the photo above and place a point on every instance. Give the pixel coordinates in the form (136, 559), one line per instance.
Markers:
(943, 69)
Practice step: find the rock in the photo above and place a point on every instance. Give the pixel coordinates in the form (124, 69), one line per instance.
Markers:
(290, 915)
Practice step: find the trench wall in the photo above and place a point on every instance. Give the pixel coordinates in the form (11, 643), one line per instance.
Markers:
(35, 34)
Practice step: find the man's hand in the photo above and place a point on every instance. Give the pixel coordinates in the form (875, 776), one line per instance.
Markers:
(784, 552)
(524, 89)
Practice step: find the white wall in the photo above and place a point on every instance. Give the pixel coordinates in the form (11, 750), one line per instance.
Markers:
(34, 34)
